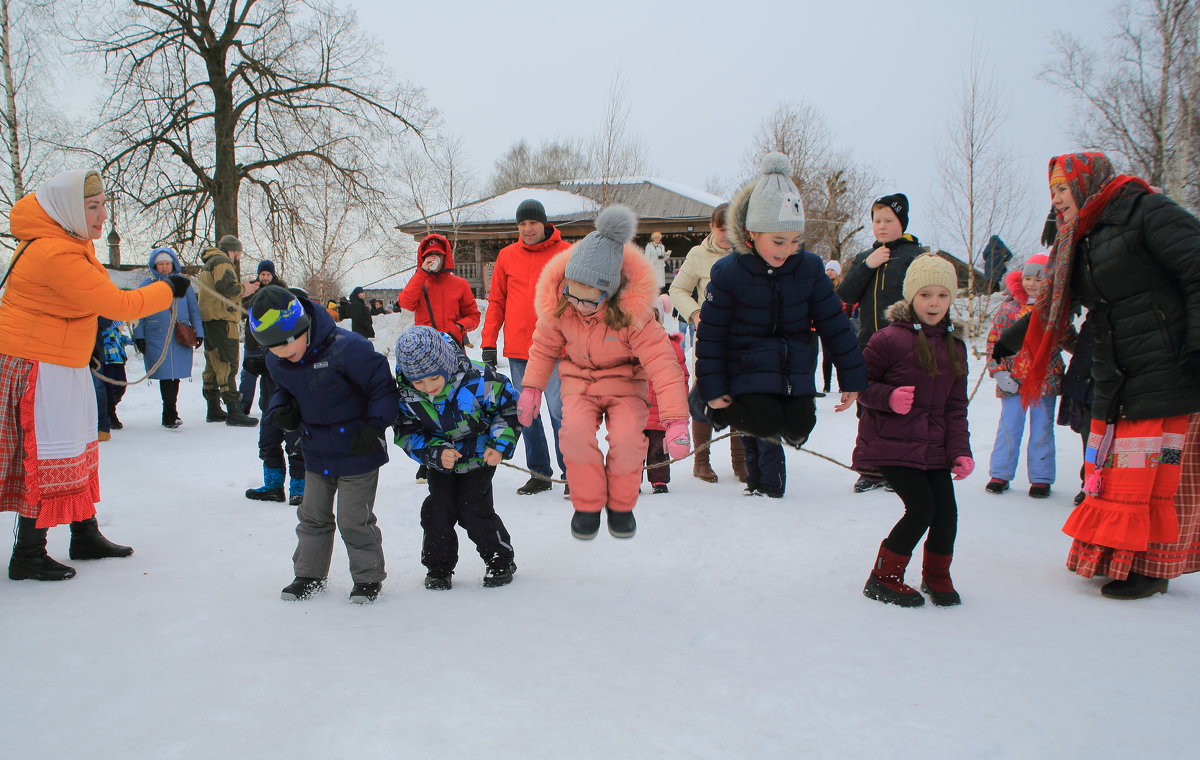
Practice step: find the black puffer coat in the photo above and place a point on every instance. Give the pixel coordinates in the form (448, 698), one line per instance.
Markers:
(1138, 274)
(875, 290)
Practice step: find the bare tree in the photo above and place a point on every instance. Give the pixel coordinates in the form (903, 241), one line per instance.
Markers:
(522, 165)
(978, 194)
(1138, 98)
(616, 150)
(210, 98)
(835, 189)
(435, 179)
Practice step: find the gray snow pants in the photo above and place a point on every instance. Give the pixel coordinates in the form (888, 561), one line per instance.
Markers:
(355, 522)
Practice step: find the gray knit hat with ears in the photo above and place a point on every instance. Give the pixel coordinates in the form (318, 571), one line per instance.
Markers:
(596, 260)
(775, 203)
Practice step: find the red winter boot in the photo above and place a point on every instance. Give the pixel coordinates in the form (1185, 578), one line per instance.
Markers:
(935, 579)
(886, 583)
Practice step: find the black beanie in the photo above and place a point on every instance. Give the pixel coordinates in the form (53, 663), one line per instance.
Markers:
(898, 203)
(531, 209)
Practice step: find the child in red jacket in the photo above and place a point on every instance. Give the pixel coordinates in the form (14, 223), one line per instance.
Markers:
(594, 304)
(438, 297)
(913, 431)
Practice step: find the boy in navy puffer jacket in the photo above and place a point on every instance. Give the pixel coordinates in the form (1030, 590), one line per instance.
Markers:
(334, 387)
(459, 420)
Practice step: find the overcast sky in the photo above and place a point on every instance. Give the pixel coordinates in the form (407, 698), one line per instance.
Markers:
(701, 75)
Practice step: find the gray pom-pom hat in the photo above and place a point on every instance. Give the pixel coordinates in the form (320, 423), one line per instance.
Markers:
(775, 203)
(596, 260)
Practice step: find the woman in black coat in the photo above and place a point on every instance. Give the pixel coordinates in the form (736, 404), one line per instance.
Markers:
(1131, 257)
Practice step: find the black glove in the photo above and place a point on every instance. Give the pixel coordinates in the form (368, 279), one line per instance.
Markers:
(140, 345)
(287, 417)
(255, 365)
(179, 284)
(1000, 352)
(368, 441)
(489, 357)
(199, 342)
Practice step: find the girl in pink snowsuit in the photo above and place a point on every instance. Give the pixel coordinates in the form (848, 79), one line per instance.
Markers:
(595, 309)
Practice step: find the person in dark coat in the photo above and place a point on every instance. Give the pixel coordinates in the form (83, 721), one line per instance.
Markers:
(1131, 257)
(913, 432)
(360, 314)
(876, 277)
(756, 352)
(341, 395)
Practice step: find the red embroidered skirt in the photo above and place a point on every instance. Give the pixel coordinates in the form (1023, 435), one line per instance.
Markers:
(1136, 506)
(54, 490)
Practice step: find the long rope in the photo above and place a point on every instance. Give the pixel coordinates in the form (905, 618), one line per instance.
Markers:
(693, 452)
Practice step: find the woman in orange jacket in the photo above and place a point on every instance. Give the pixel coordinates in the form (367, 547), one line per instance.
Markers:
(595, 307)
(55, 289)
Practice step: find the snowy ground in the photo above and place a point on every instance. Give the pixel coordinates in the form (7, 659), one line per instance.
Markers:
(730, 627)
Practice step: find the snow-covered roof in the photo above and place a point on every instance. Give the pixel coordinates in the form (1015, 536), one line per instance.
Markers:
(500, 208)
(678, 188)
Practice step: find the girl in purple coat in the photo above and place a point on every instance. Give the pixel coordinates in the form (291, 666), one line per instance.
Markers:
(913, 431)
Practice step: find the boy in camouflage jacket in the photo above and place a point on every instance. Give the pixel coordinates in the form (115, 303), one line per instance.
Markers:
(459, 419)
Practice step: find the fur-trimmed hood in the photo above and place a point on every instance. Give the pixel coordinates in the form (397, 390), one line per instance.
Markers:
(637, 295)
(1012, 283)
(735, 218)
(901, 313)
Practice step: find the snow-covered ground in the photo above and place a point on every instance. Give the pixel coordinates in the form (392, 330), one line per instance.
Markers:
(730, 627)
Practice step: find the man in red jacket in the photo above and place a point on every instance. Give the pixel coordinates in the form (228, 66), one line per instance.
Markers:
(436, 295)
(510, 304)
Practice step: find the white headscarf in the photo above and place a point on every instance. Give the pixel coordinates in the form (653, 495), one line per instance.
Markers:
(62, 198)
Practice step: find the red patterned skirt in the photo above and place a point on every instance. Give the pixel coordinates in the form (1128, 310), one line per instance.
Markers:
(1136, 510)
(60, 484)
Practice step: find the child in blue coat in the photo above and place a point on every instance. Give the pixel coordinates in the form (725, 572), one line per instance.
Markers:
(459, 420)
(334, 387)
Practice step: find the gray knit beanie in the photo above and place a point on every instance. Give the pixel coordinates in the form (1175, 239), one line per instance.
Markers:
(775, 203)
(596, 260)
(230, 243)
(423, 352)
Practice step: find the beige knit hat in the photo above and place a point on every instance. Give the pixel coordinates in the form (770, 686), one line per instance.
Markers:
(929, 269)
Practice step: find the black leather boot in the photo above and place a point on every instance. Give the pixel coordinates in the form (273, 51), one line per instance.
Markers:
(29, 559)
(215, 412)
(234, 415)
(87, 542)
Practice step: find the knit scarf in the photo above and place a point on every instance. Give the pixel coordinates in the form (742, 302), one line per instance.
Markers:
(1090, 177)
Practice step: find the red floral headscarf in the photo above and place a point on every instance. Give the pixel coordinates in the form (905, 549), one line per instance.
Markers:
(1093, 183)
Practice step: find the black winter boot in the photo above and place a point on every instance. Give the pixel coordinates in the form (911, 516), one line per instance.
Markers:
(585, 525)
(302, 588)
(29, 559)
(1136, 586)
(215, 412)
(498, 574)
(621, 524)
(234, 416)
(87, 542)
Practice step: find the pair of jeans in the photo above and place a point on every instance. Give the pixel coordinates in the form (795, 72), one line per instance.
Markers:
(537, 454)
(1039, 452)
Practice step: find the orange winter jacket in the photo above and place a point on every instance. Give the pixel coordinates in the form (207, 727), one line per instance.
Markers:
(598, 360)
(57, 288)
(510, 300)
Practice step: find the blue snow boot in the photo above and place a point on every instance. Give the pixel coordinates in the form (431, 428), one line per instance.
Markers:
(272, 488)
(296, 486)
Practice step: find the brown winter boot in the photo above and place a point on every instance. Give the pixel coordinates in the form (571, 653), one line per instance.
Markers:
(935, 579)
(737, 457)
(886, 583)
(702, 434)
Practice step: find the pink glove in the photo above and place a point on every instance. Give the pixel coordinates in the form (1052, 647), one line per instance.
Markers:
(963, 466)
(528, 405)
(677, 441)
(900, 400)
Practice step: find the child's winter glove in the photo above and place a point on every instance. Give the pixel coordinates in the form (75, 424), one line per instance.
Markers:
(489, 357)
(677, 441)
(368, 441)
(140, 345)
(528, 405)
(1006, 382)
(963, 466)
(287, 417)
(900, 400)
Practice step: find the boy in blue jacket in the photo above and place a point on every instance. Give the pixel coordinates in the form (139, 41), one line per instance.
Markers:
(334, 387)
(459, 420)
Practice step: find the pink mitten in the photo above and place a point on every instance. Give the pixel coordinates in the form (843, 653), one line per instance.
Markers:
(677, 441)
(963, 466)
(528, 405)
(901, 399)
